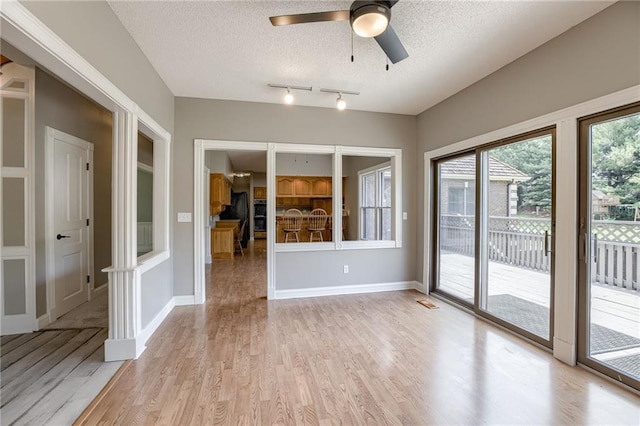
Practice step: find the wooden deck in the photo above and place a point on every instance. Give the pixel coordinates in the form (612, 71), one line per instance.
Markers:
(610, 307)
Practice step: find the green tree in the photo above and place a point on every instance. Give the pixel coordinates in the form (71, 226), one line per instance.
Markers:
(615, 153)
(533, 158)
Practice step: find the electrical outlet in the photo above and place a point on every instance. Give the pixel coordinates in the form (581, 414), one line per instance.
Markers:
(345, 269)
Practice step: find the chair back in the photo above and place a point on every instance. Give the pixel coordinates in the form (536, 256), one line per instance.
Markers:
(240, 232)
(318, 220)
(292, 220)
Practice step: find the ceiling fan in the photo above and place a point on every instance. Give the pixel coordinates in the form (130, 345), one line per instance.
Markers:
(367, 18)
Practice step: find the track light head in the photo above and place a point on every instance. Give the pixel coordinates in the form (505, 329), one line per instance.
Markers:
(340, 103)
(288, 98)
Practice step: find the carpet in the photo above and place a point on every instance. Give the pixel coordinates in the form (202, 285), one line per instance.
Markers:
(94, 313)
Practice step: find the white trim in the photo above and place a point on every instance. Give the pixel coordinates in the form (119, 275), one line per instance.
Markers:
(145, 168)
(199, 148)
(24, 31)
(51, 135)
(184, 300)
(347, 289)
(43, 321)
(304, 246)
(26, 322)
(565, 240)
(153, 325)
(122, 349)
(150, 260)
(564, 351)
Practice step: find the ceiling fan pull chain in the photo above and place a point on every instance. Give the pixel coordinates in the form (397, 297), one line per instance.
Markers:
(351, 46)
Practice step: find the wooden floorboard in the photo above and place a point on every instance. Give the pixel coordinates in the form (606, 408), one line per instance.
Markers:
(53, 376)
(357, 359)
(17, 340)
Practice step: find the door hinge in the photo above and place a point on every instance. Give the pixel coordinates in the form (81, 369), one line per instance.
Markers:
(87, 166)
(88, 279)
(87, 222)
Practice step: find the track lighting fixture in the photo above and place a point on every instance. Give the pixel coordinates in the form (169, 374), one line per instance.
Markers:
(288, 98)
(341, 104)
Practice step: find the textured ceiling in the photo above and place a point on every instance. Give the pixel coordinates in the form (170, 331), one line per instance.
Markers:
(229, 50)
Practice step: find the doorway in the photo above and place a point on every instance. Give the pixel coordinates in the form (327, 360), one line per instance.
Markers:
(609, 261)
(495, 219)
(236, 170)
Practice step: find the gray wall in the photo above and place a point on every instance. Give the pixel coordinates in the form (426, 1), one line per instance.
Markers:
(595, 58)
(304, 164)
(219, 162)
(62, 108)
(247, 121)
(93, 30)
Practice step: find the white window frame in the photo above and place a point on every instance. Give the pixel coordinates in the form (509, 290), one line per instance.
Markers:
(394, 159)
(377, 171)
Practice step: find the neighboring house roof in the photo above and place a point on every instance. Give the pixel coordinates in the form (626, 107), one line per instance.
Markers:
(605, 199)
(464, 168)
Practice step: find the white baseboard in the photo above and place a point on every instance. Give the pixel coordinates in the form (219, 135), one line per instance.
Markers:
(347, 289)
(421, 288)
(146, 333)
(122, 349)
(43, 321)
(565, 352)
(184, 300)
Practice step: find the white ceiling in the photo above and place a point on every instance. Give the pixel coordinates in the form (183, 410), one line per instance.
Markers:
(229, 50)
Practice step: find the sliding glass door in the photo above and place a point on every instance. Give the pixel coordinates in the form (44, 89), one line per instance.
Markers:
(495, 223)
(609, 277)
(456, 218)
(517, 228)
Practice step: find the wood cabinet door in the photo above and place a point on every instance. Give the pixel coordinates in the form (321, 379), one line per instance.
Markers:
(321, 187)
(260, 193)
(285, 187)
(303, 187)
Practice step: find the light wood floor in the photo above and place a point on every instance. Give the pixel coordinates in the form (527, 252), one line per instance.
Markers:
(50, 377)
(357, 359)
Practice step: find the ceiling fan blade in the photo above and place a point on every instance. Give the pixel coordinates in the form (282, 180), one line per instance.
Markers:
(303, 18)
(392, 46)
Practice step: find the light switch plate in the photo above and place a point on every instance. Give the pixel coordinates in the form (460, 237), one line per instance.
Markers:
(184, 217)
(404, 215)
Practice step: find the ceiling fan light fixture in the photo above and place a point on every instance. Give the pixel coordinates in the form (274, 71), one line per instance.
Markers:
(370, 20)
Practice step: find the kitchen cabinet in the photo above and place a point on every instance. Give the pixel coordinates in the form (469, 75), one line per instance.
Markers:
(321, 187)
(219, 193)
(259, 193)
(285, 186)
(222, 243)
(223, 238)
(303, 186)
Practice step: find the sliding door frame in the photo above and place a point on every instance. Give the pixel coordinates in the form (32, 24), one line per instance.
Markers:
(583, 227)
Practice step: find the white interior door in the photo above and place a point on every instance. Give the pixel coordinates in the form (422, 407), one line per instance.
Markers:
(71, 168)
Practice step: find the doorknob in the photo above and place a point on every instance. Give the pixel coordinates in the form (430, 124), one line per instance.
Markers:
(60, 236)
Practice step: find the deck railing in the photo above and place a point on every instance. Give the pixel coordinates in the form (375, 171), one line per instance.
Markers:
(520, 242)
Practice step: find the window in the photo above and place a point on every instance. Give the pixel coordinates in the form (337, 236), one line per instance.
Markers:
(462, 200)
(375, 203)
